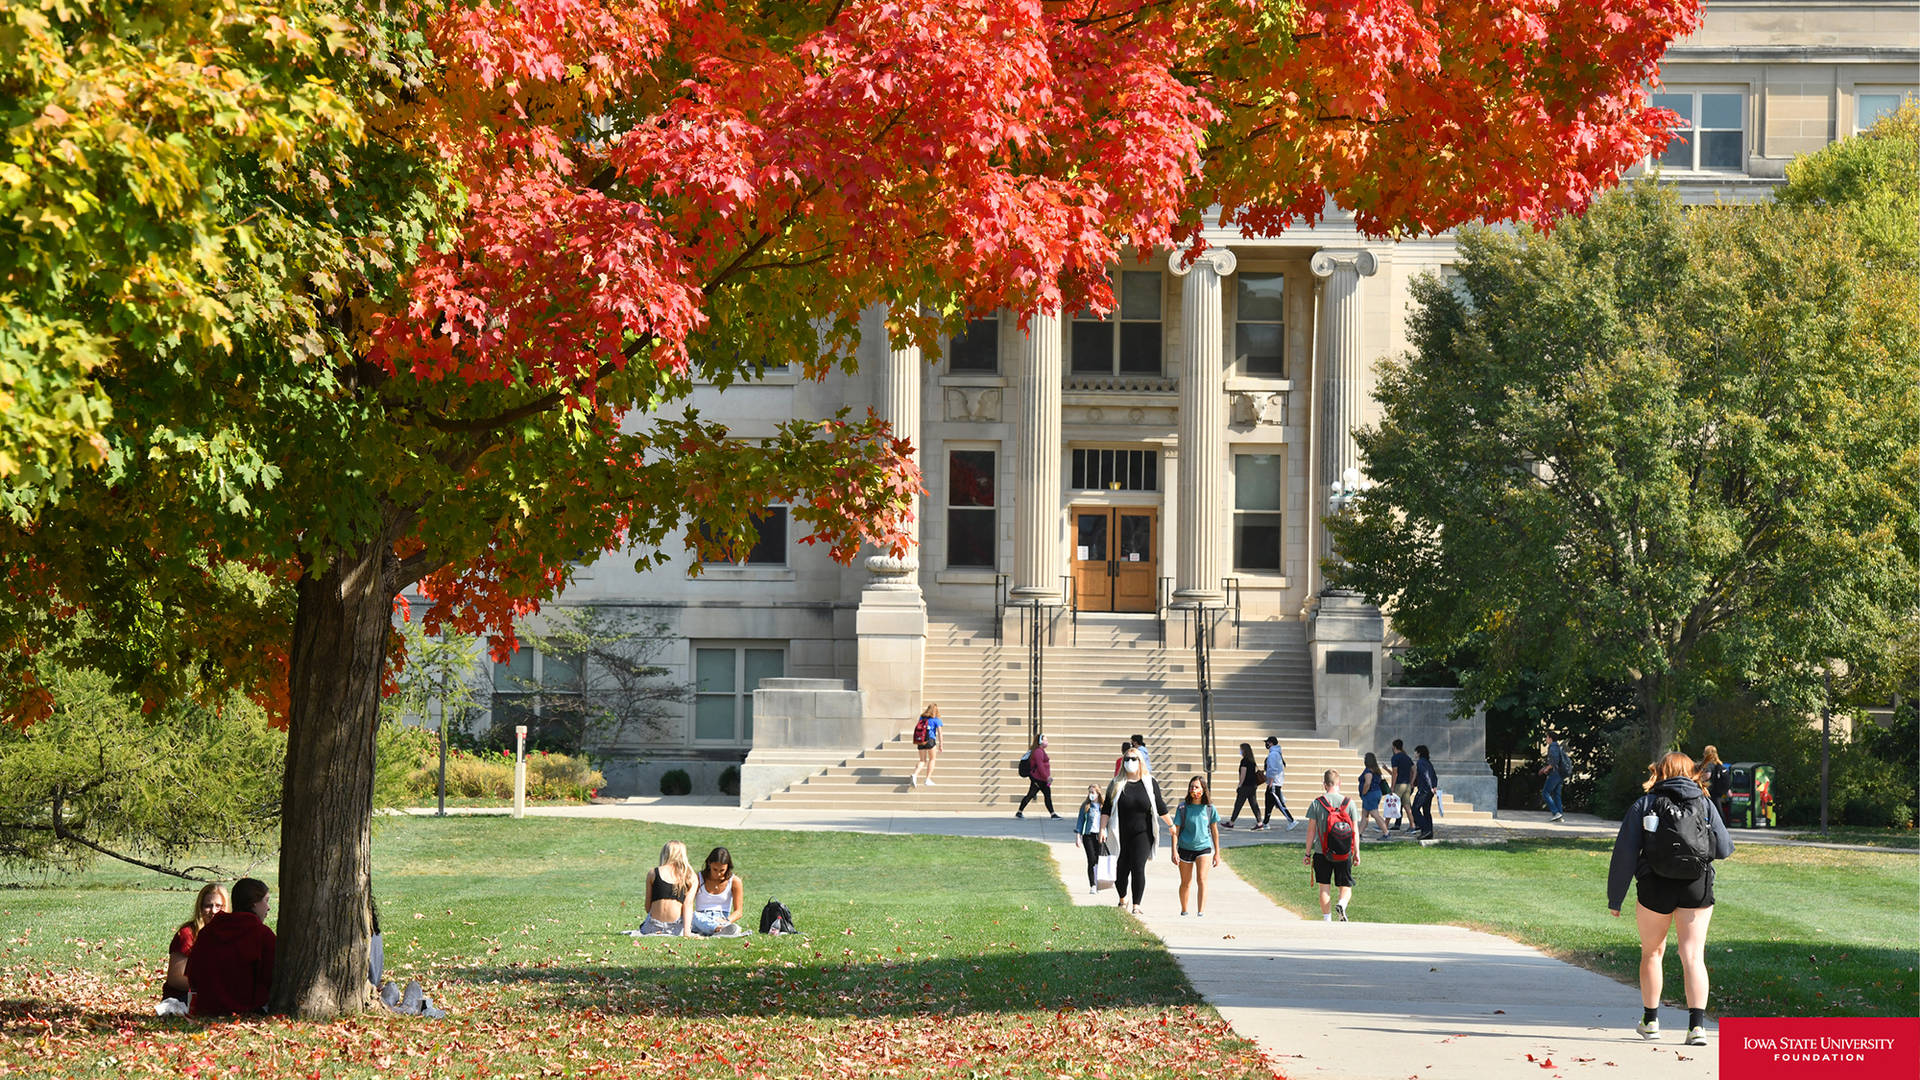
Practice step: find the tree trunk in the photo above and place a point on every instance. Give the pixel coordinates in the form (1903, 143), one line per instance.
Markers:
(339, 656)
(1659, 715)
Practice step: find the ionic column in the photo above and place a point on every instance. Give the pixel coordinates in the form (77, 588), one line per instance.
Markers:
(1340, 409)
(1203, 417)
(1037, 562)
(899, 404)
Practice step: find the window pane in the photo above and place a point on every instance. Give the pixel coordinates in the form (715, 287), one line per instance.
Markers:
(1260, 349)
(1078, 479)
(713, 670)
(1135, 543)
(560, 673)
(1719, 110)
(517, 672)
(1256, 542)
(970, 478)
(1259, 297)
(1256, 482)
(1140, 294)
(1679, 103)
(1869, 108)
(713, 714)
(510, 709)
(970, 538)
(764, 664)
(1679, 152)
(978, 349)
(771, 548)
(1720, 150)
(1093, 348)
(1090, 545)
(1139, 348)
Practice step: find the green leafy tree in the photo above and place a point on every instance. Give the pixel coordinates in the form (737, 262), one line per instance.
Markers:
(1670, 447)
(102, 776)
(609, 686)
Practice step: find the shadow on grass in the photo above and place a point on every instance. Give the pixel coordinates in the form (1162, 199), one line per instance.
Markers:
(765, 985)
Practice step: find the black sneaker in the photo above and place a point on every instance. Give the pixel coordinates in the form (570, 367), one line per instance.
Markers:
(1340, 912)
(1226, 824)
(1020, 813)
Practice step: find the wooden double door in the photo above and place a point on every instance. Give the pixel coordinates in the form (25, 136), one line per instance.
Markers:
(1114, 565)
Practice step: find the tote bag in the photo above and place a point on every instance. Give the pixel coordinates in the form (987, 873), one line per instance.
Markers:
(1104, 873)
(1389, 806)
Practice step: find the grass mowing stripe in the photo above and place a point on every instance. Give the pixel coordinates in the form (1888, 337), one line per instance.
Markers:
(1797, 931)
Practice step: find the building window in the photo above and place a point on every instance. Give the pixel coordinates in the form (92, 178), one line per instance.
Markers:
(770, 549)
(1127, 341)
(725, 677)
(1872, 103)
(977, 349)
(1709, 135)
(970, 509)
(1259, 328)
(1256, 512)
(1116, 470)
(527, 684)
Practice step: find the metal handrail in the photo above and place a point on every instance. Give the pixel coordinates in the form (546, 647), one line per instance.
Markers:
(1203, 676)
(1071, 590)
(1000, 586)
(1162, 594)
(1231, 586)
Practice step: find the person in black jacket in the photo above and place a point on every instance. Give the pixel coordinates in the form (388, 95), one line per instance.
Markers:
(1665, 897)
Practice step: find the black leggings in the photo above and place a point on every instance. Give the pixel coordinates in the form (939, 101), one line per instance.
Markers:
(1248, 797)
(1091, 841)
(1037, 787)
(1131, 866)
(1274, 798)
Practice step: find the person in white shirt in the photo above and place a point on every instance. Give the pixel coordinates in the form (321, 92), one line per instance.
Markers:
(1276, 775)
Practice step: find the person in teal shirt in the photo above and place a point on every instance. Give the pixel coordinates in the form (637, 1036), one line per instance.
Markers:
(1196, 843)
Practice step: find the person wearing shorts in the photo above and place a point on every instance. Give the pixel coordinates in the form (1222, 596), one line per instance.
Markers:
(929, 750)
(1683, 903)
(1330, 873)
(1196, 842)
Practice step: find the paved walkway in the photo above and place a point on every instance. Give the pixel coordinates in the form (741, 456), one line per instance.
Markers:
(1335, 1001)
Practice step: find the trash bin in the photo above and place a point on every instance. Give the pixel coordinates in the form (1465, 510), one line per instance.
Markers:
(1750, 796)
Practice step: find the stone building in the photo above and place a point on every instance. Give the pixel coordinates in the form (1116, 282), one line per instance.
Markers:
(1118, 483)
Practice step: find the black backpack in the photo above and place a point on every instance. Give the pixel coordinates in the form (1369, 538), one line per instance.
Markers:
(776, 919)
(1680, 846)
(1025, 768)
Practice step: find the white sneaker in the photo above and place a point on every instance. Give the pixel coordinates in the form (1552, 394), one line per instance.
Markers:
(1292, 825)
(1696, 1036)
(1093, 890)
(1648, 1029)
(929, 781)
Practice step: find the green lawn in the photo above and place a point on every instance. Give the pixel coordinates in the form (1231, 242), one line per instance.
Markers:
(921, 956)
(1797, 931)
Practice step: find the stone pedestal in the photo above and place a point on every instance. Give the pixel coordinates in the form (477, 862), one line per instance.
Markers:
(1343, 641)
(800, 726)
(1422, 715)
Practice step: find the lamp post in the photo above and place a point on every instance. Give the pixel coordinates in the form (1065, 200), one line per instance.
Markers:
(1342, 495)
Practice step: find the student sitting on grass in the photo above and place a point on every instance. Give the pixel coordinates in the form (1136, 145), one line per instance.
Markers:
(720, 899)
(667, 888)
(231, 966)
(211, 901)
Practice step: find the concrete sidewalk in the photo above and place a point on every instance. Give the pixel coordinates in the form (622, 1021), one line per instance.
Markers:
(1337, 1001)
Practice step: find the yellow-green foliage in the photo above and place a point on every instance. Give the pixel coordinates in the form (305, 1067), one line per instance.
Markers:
(410, 772)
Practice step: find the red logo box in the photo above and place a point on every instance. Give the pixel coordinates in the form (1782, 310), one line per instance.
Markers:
(1817, 1048)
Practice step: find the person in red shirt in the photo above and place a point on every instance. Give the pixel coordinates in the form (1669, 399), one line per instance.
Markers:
(211, 901)
(231, 967)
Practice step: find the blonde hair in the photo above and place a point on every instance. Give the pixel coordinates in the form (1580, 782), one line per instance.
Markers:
(1709, 758)
(932, 709)
(200, 917)
(1673, 764)
(674, 854)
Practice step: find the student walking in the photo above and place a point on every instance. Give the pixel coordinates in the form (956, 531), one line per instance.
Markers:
(1425, 783)
(1667, 846)
(1086, 829)
(1333, 845)
(1554, 773)
(1039, 778)
(1196, 843)
(1373, 788)
(926, 740)
(1246, 789)
(1402, 781)
(1276, 775)
(1131, 817)
(1719, 780)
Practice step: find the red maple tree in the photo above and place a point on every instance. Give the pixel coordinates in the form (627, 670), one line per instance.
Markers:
(465, 337)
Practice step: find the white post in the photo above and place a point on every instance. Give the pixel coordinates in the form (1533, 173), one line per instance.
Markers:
(519, 770)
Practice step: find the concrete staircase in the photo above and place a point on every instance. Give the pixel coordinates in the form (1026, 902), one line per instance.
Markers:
(1111, 679)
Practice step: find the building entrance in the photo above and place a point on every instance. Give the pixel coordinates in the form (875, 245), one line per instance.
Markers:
(1114, 566)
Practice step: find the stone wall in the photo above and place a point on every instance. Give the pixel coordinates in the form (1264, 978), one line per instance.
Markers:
(1458, 746)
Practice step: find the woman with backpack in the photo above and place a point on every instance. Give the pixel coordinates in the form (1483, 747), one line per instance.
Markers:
(1196, 842)
(1133, 803)
(1719, 780)
(1246, 789)
(926, 739)
(1667, 846)
(1039, 778)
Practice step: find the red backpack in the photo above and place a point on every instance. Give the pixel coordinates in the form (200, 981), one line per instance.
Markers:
(920, 731)
(1336, 839)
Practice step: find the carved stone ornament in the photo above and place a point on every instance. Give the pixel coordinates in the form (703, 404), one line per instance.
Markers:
(974, 404)
(1220, 260)
(1324, 263)
(891, 573)
(1256, 408)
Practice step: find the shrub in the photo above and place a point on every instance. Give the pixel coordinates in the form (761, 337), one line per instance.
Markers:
(729, 783)
(489, 775)
(676, 782)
